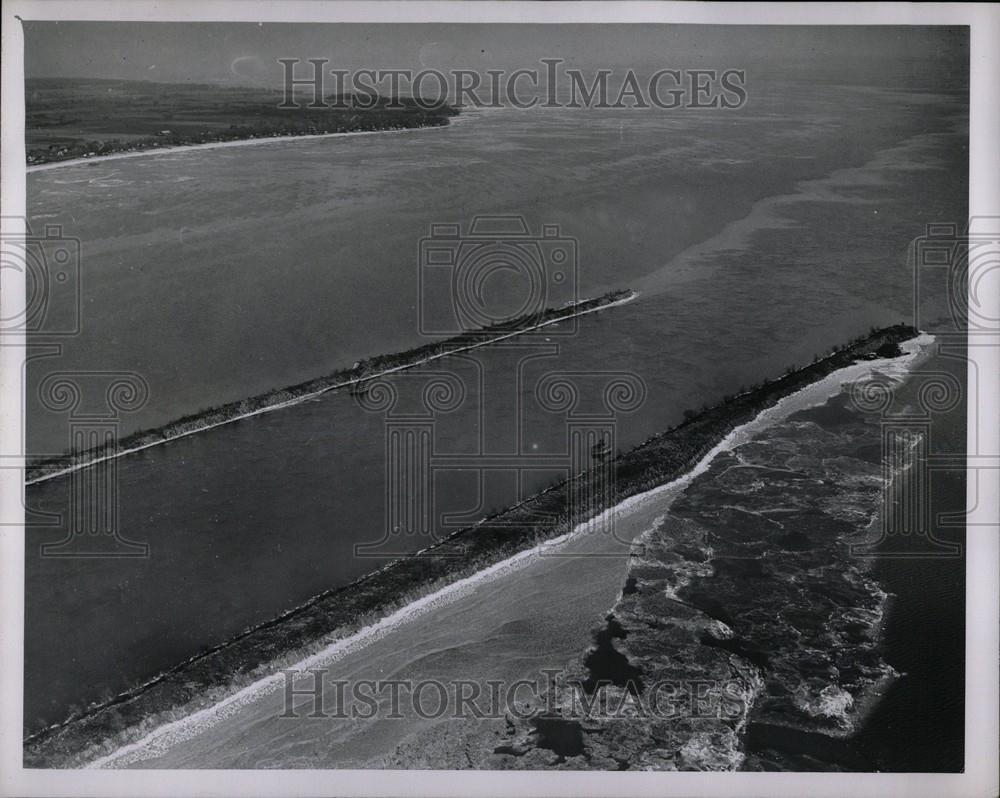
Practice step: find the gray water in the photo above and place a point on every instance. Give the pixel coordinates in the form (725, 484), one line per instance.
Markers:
(758, 238)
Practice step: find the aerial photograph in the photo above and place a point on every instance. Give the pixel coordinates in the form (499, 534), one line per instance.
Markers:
(495, 397)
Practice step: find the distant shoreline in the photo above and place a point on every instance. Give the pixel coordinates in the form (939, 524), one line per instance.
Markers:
(361, 372)
(214, 145)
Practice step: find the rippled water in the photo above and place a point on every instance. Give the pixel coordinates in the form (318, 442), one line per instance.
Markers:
(758, 238)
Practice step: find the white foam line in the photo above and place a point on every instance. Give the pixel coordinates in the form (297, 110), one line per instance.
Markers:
(814, 394)
(218, 145)
(313, 394)
(174, 732)
(818, 392)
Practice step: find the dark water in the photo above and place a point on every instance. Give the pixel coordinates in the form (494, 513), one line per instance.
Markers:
(919, 726)
(317, 268)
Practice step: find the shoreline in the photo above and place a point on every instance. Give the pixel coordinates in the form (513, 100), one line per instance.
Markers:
(665, 642)
(215, 145)
(188, 725)
(418, 607)
(341, 613)
(43, 472)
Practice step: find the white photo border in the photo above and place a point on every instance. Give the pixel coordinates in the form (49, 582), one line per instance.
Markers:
(983, 541)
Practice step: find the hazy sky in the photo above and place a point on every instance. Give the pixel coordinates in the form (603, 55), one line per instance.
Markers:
(247, 53)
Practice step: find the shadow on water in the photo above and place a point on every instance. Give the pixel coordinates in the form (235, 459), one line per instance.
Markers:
(918, 725)
(563, 737)
(780, 748)
(607, 665)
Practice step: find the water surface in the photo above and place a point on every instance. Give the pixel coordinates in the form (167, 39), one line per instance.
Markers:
(758, 238)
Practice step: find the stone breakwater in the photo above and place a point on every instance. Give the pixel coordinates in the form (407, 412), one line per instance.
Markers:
(358, 379)
(746, 606)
